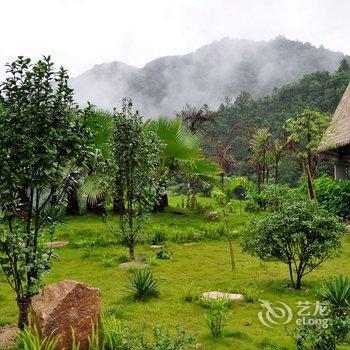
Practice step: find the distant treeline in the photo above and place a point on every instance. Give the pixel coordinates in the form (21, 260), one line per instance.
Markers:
(229, 129)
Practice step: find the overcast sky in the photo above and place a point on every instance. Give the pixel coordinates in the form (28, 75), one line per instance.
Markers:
(81, 33)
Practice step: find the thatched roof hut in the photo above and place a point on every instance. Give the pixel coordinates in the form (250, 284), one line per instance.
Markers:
(336, 141)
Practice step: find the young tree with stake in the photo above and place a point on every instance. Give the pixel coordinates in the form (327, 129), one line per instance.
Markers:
(136, 152)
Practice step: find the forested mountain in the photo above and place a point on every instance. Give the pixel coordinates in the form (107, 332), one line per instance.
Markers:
(228, 130)
(210, 74)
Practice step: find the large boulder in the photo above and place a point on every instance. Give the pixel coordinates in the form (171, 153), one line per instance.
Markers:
(64, 306)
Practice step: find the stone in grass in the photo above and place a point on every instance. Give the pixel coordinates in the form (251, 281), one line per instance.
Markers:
(155, 246)
(133, 265)
(63, 307)
(57, 244)
(221, 295)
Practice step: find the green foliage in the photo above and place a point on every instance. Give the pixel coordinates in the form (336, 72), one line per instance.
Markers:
(32, 341)
(123, 257)
(235, 122)
(242, 182)
(107, 262)
(333, 195)
(143, 285)
(136, 152)
(306, 131)
(213, 231)
(216, 317)
(252, 207)
(336, 292)
(117, 312)
(251, 293)
(118, 335)
(276, 195)
(43, 135)
(192, 293)
(318, 337)
(299, 234)
(165, 252)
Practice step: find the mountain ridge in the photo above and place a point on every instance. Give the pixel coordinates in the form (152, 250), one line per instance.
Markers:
(207, 75)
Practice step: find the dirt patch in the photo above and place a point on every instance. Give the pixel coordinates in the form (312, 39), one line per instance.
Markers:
(8, 336)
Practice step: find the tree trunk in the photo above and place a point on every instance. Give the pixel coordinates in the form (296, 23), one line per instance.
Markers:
(291, 275)
(229, 239)
(309, 179)
(276, 170)
(23, 308)
(73, 202)
(298, 282)
(222, 180)
(162, 203)
(131, 246)
(118, 200)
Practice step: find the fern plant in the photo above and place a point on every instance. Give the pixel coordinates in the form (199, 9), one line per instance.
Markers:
(143, 285)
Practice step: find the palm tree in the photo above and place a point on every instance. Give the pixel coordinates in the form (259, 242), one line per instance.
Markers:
(259, 147)
(181, 147)
(202, 172)
(91, 178)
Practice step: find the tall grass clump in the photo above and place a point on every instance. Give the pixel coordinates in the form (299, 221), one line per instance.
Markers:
(143, 285)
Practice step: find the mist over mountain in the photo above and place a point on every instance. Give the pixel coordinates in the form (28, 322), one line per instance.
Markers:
(212, 73)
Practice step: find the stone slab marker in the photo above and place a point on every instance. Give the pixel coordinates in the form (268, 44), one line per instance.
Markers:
(63, 306)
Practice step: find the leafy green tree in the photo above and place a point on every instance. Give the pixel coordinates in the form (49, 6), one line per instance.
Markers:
(299, 233)
(343, 66)
(42, 135)
(136, 151)
(306, 130)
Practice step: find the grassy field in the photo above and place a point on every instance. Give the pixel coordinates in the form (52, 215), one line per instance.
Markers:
(205, 264)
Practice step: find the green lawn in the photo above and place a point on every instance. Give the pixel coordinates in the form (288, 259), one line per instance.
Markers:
(205, 264)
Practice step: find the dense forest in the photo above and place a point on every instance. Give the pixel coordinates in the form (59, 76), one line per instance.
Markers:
(229, 130)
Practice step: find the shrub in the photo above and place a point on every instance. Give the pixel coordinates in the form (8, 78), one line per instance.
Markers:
(240, 185)
(143, 285)
(192, 293)
(123, 257)
(118, 335)
(299, 234)
(116, 312)
(252, 207)
(333, 195)
(274, 196)
(336, 292)
(251, 293)
(160, 236)
(317, 337)
(213, 231)
(165, 252)
(216, 317)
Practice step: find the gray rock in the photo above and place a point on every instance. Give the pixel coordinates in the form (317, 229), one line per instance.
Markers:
(221, 295)
(133, 265)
